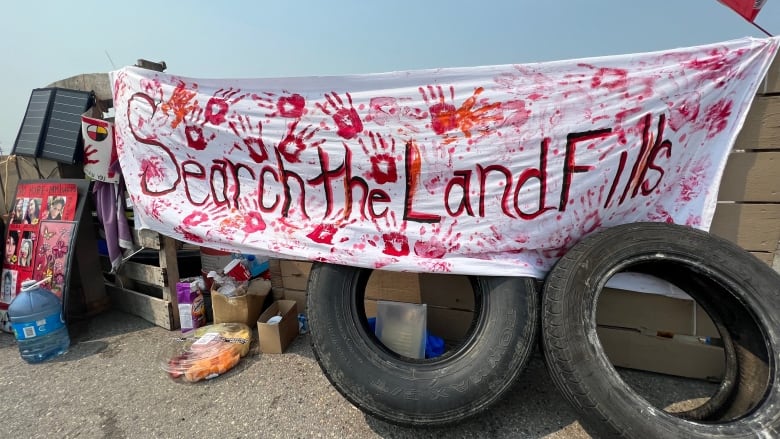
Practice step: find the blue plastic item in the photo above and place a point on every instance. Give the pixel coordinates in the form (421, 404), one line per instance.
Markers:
(255, 266)
(434, 346)
(38, 323)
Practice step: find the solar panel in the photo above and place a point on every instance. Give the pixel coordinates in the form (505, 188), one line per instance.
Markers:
(30, 137)
(51, 127)
(63, 142)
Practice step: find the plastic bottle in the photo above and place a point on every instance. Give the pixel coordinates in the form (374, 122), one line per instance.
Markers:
(38, 323)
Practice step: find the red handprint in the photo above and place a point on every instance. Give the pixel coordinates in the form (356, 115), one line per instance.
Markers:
(347, 119)
(439, 244)
(253, 222)
(395, 241)
(187, 235)
(470, 115)
(443, 115)
(178, 104)
(383, 166)
(193, 130)
(219, 104)
(89, 151)
(325, 232)
(293, 144)
(253, 139)
(195, 219)
(291, 106)
(383, 110)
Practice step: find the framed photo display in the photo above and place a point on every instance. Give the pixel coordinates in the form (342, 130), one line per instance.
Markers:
(40, 237)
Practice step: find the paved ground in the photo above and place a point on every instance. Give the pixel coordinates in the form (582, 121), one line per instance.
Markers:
(109, 385)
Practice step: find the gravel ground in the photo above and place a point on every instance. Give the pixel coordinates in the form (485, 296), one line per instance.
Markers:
(109, 385)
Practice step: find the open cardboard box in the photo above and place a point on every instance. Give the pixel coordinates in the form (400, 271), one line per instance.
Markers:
(274, 338)
(240, 309)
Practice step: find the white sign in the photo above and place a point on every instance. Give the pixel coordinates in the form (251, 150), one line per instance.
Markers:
(485, 170)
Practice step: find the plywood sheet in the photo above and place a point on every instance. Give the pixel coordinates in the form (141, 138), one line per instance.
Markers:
(762, 126)
(772, 81)
(754, 227)
(751, 176)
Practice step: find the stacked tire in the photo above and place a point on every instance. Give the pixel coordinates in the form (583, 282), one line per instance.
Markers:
(466, 380)
(740, 293)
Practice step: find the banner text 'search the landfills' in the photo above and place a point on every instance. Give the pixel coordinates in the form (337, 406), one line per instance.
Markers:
(493, 170)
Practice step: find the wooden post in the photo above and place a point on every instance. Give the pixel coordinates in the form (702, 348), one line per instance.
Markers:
(170, 265)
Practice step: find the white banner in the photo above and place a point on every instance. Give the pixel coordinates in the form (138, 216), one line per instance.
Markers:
(493, 170)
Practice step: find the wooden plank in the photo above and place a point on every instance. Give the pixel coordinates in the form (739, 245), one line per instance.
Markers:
(762, 126)
(151, 309)
(751, 176)
(772, 80)
(146, 238)
(142, 272)
(170, 264)
(754, 227)
(776, 259)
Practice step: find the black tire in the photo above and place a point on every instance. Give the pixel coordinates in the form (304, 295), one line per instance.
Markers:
(740, 294)
(464, 381)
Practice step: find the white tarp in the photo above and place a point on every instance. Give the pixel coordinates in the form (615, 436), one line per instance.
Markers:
(481, 170)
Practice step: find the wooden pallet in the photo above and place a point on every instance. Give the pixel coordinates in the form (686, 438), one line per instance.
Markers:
(146, 290)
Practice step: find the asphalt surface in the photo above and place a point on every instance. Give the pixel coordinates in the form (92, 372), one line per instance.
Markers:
(110, 385)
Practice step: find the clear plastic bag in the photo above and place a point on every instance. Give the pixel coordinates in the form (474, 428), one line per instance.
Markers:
(209, 353)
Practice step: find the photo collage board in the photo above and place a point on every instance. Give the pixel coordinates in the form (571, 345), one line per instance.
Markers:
(39, 236)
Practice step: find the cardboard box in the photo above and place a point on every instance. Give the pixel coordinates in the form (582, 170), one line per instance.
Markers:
(635, 350)
(658, 333)
(652, 312)
(393, 286)
(241, 309)
(274, 338)
(295, 274)
(382, 285)
(300, 298)
(449, 324)
(447, 291)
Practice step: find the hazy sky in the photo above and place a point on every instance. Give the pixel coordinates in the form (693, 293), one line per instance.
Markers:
(45, 41)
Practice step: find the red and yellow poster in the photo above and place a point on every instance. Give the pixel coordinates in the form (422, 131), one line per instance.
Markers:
(38, 206)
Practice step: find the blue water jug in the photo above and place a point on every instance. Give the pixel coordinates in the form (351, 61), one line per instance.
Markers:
(38, 323)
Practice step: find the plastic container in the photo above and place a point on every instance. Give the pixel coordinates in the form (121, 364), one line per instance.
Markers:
(210, 352)
(38, 323)
(256, 265)
(401, 327)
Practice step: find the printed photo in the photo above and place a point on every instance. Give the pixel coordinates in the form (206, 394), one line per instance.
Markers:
(8, 286)
(54, 208)
(17, 214)
(26, 253)
(33, 211)
(11, 247)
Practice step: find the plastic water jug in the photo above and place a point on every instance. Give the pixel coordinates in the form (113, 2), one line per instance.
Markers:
(38, 323)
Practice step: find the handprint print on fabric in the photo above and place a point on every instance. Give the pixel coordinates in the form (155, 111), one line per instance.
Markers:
(179, 104)
(347, 120)
(294, 143)
(394, 237)
(251, 136)
(291, 106)
(472, 115)
(382, 158)
(439, 243)
(219, 104)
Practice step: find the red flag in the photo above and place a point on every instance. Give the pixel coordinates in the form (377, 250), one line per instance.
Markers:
(748, 9)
